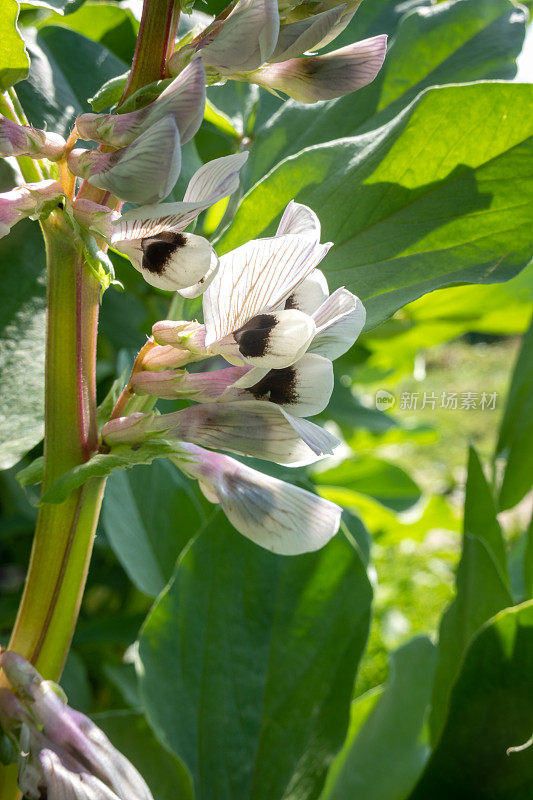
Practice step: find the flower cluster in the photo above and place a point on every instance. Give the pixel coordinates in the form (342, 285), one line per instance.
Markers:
(61, 752)
(271, 328)
(268, 313)
(255, 41)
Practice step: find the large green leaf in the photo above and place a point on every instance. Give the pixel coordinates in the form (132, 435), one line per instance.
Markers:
(482, 590)
(14, 62)
(60, 6)
(480, 512)
(516, 432)
(248, 661)
(114, 27)
(387, 483)
(22, 342)
(442, 43)
(491, 710)
(383, 758)
(66, 69)
(164, 773)
(418, 203)
(149, 515)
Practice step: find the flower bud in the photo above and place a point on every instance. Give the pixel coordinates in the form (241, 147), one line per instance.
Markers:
(63, 754)
(325, 77)
(23, 140)
(143, 172)
(30, 200)
(183, 99)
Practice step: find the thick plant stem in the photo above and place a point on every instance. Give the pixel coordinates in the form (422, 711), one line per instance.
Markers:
(64, 532)
(157, 33)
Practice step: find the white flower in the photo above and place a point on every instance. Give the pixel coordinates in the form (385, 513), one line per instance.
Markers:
(282, 518)
(153, 236)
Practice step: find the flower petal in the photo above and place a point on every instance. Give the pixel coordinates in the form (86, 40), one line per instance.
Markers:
(255, 279)
(143, 172)
(310, 294)
(216, 179)
(276, 515)
(303, 389)
(271, 341)
(246, 38)
(298, 218)
(339, 320)
(328, 76)
(183, 99)
(182, 262)
(298, 37)
(251, 428)
(212, 182)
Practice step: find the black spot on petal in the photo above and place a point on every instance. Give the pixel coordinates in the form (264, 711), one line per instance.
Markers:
(278, 386)
(253, 337)
(158, 250)
(290, 302)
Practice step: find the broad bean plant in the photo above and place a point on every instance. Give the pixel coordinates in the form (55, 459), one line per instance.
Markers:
(231, 200)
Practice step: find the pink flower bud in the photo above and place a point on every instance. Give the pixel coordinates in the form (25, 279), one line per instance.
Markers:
(23, 140)
(29, 200)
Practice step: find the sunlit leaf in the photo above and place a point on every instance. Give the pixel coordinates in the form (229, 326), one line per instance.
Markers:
(22, 342)
(424, 205)
(516, 432)
(382, 758)
(248, 661)
(491, 708)
(149, 515)
(14, 61)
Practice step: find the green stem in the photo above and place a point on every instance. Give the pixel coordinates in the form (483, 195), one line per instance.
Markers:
(64, 533)
(157, 34)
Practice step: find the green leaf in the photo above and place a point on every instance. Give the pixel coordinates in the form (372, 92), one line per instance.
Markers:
(114, 27)
(516, 431)
(480, 513)
(66, 70)
(165, 774)
(491, 709)
(425, 205)
(14, 61)
(60, 6)
(482, 590)
(387, 483)
(383, 758)
(436, 44)
(528, 562)
(149, 515)
(248, 662)
(22, 342)
(103, 464)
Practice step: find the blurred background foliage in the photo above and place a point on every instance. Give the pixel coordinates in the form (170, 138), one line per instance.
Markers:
(237, 624)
